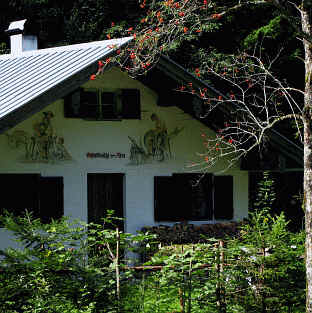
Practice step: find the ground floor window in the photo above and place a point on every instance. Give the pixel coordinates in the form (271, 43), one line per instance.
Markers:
(189, 196)
(42, 196)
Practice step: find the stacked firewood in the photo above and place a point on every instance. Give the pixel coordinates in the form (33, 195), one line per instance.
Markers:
(182, 233)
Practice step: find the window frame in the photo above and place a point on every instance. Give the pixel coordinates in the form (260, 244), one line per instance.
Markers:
(211, 201)
(121, 109)
(37, 196)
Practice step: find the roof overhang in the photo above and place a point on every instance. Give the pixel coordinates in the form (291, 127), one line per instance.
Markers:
(34, 79)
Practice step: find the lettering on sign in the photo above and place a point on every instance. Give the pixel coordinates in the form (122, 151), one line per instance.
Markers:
(106, 155)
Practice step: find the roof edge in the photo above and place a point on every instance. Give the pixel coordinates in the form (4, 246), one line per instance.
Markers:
(112, 42)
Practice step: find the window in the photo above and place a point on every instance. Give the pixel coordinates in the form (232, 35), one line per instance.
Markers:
(192, 197)
(42, 196)
(223, 197)
(97, 104)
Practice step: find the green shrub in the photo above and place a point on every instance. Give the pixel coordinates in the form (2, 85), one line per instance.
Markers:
(63, 267)
(73, 267)
(262, 270)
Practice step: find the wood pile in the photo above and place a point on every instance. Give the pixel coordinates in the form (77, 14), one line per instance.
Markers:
(183, 233)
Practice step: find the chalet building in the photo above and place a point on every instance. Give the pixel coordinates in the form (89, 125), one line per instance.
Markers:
(79, 147)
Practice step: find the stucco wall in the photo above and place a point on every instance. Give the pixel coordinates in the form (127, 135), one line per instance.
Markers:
(81, 137)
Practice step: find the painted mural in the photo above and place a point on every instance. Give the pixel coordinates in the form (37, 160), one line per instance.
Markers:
(155, 144)
(44, 145)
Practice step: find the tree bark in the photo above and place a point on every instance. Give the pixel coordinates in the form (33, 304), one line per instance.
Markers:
(117, 267)
(307, 184)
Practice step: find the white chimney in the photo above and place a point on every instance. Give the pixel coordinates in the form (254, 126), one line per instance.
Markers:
(19, 41)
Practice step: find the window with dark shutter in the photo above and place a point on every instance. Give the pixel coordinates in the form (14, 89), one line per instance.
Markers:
(223, 197)
(51, 198)
(202, 197)
(97, 104)
(108, 106)
(72, 105)
(184, 196)
(194, 195)
(164, 197)
(41, 196)
(90, 103)
(19, 192)
(131, 104)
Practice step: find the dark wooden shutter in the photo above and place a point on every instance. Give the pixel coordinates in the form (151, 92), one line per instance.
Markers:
(51, 198)
(90, 107)
(19, 192)
(131, 104)
(223, 197)
(72, 105)
(164, 199)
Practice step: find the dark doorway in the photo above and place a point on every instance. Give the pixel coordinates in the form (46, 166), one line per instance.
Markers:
(105, 192)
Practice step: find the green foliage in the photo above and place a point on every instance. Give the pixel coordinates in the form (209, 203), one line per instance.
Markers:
(272, 258)
(3, 48)
(262, 271)
(73, 267)
(266, 193)
(271, 30)
(64, 266)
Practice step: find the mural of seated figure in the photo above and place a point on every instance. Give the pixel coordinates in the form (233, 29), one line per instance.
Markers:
(156, 143)
(44, 145)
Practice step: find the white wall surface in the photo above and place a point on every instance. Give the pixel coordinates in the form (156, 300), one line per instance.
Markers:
(83, 136)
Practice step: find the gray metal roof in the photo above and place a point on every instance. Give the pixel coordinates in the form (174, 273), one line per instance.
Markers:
(26, 76)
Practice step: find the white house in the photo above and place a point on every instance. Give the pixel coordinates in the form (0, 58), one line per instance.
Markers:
(78, 147)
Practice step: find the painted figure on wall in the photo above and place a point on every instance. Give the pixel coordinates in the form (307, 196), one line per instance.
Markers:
(156, 143)
(44, 145)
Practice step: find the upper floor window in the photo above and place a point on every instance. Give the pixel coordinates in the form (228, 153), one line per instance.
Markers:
(98, 104)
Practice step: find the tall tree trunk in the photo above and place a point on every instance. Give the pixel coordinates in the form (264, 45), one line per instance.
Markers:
(307, 184)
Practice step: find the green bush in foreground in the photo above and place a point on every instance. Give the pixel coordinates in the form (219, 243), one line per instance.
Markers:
(63, 267)
(262, 271)
(73, 267)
